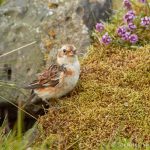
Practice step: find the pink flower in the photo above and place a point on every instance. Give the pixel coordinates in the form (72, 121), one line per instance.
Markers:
(131, 26)
(129, 16)
(126, 36)
(142, 1)
(127, 4)
(121, 30)
(106, 39)
(133, 38)
(99, 27)
(145, 21)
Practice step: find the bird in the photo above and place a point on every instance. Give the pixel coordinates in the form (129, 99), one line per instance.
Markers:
(60, 78)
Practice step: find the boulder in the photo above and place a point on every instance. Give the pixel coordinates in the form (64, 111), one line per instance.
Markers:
(20, 24)
(93, 11)
(72, 22)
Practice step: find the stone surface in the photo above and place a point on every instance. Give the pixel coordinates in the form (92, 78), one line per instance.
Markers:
(72, 22)
(21, 23)
(92, 11)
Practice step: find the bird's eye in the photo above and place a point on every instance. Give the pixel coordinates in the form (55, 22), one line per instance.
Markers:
(64, 50)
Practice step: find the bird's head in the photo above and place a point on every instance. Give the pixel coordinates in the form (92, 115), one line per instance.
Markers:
(67, 54)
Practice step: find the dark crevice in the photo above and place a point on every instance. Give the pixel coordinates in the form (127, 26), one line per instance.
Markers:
(8, 71)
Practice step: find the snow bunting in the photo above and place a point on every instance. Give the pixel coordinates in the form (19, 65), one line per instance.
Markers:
(59, 78)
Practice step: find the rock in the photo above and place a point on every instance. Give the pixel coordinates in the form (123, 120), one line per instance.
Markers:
(72, 22)
(18, 23)
(92, 11)
(21, 23)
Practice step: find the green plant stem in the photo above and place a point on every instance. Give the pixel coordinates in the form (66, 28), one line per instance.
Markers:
(20, 122)
(147, 3)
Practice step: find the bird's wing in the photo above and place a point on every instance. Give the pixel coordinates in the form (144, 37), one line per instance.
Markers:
(50, 77)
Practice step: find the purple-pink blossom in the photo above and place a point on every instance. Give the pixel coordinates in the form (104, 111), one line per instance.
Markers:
(145, 21)
(126, 36)
(142, 1)
(121, 30)
(127, 4)
(99, 27)
(106, 39)
(129, 16)
(131, 26)
(133, 38)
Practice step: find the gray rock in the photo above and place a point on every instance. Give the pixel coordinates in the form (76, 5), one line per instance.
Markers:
(73, 21)
(92, 11)
(18, 22)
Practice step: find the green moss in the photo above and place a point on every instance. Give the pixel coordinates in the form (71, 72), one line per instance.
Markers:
(112, 100)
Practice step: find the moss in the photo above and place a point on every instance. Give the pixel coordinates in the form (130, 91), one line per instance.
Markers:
(112, 100)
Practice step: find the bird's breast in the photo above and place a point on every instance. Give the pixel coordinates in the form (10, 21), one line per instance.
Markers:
(72, 77)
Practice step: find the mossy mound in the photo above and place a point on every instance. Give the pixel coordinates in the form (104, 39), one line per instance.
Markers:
(111, 100)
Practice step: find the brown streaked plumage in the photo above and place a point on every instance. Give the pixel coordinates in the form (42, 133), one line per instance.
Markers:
(49, 77)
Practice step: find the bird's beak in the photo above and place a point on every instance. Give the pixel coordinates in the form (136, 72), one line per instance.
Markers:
(73, 52)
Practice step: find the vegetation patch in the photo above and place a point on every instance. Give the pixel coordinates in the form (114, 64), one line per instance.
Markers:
(110, 101)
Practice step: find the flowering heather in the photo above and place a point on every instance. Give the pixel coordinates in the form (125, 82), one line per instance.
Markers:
(106, 39)
(126, 36)
(145, 21)
(127, 4)
(131, 26)
(121, 30)
(142, 1)
(99, 27)
(133, 38)
(129, 16)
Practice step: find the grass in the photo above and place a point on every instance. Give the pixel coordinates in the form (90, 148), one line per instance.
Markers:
(13, 140)
(116, 4)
